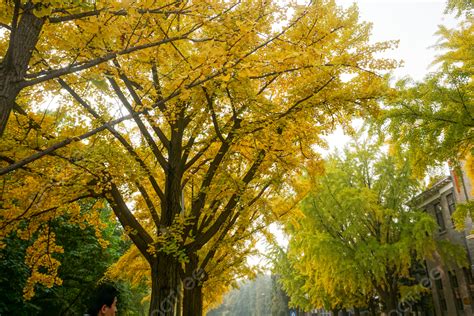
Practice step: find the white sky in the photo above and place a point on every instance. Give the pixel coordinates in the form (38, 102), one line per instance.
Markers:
(413, 22)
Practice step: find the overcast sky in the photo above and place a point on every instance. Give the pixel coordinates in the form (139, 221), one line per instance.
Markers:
(413, 22)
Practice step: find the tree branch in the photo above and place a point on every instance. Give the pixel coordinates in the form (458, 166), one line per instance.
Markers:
(164, 140)
(210, 106)
(137, 233)
(51, 74)
(149, 204)
(225, 146)
(65, 18)
(231, 204)
(143, 129)
(116, 134)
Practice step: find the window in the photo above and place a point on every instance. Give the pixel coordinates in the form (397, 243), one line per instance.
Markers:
(451, 203)
(467, 275)
(442, 302)
(439, 216)
(453, 279)
(459, 304)
(439, 285)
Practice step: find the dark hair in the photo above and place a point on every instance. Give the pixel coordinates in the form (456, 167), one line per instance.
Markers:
(104, 294)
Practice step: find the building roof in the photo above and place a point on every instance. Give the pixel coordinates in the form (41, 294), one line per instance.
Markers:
(433, 190)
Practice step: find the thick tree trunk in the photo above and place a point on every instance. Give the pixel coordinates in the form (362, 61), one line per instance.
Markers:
(390, 304)
(192, 284)
(372, 308)
(192, 301)
(356, 311)
(165, 286)
(23, 39)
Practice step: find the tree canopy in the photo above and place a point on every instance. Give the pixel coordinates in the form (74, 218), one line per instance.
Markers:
(355, 238)
(433, 120)
(184, 117)
(84, 261)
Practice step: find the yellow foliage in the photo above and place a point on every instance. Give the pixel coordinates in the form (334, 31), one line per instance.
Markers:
(224, 111)
(44, 267)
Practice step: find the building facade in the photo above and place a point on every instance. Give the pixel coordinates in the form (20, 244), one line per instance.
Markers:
(452, 286)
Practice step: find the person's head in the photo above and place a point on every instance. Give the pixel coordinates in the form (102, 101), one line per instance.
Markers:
(104, 301)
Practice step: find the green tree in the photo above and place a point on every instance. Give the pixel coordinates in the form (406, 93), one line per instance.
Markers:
(460, 7)
(355, 237)
(432, 121)
(83, 264)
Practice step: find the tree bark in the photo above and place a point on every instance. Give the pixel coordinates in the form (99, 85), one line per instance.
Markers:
(192, 301)
(372, 307)
(356, 311)
(23, 38)
(165, 286)
(192, 284)
(390, 304)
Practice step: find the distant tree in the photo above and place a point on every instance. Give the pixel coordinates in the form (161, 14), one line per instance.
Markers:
(279, 298)
(252, 298)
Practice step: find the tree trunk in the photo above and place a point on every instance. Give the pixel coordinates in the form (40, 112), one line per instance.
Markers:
(356, 311)
(23, 39)
(373, 310)
(372, 307)
(192, 284)
(390, 304)
(165, 286)
(179, 303)
(335, 311)
(192, 301)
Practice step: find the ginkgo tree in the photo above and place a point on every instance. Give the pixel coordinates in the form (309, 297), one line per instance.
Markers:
(355, 238)
(43, 40)
(189, 141)
(432, 121)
